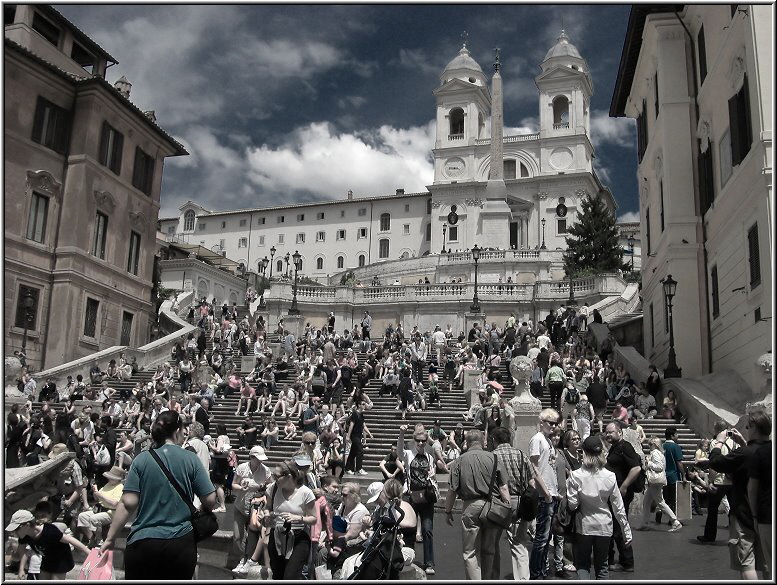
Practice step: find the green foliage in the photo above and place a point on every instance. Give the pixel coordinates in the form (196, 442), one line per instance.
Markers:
(306, 280)
(349, 278)
(592, 245)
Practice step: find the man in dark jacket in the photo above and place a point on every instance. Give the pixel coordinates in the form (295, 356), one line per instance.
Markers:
(746, 554)
(597, 396)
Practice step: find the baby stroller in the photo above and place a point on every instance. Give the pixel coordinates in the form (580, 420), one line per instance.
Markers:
(382, 557)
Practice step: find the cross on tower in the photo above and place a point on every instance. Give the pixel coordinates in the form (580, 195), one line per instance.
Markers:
(464, 37)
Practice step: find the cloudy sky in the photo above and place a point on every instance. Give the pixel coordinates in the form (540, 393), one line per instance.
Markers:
(289, 103)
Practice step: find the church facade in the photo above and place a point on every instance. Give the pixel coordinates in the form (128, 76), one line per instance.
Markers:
(525, 202)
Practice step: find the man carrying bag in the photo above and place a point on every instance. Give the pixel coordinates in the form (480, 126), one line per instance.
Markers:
(477, 481)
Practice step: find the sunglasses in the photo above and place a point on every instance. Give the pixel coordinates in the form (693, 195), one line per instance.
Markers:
(553, 423)
(309, 442)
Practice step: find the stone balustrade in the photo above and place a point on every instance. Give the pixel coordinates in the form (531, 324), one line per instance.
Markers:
(509, 139)
(495, 256)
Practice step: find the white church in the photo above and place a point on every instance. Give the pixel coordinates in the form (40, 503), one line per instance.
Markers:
(523, 205)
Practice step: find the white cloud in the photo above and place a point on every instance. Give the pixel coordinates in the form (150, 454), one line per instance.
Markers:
(617, 131)
(629, 217)
(314, 160)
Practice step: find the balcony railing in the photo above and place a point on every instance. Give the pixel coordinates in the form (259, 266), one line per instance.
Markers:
(509, 139)
(455, 136)
(561, 126)
(491, 255)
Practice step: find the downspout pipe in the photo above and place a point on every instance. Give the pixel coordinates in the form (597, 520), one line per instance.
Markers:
(694, 143)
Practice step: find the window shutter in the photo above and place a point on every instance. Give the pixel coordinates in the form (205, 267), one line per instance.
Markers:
(61, 131)
(755, 260)
(104, 139)
(118, 144)
(37, 125)
(137, 169)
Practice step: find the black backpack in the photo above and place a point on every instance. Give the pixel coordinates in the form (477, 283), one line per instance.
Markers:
(573, 396)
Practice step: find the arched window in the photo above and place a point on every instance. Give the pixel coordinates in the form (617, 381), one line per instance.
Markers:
(279, 266)
(319, 263)
(457, 122)
(340, 261)
(385, 222)
(509, 168)
(524, 170)
(362, 260)
(188, 221)
(561, 112)
(383, 248)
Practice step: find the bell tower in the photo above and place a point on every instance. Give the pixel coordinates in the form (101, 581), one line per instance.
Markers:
(463, 107)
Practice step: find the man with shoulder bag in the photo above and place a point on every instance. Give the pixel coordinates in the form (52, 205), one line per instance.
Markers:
(521, 484)
(478, 478)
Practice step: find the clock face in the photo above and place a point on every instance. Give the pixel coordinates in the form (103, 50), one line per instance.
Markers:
(561, 210)
(454, 167)
(453, 218)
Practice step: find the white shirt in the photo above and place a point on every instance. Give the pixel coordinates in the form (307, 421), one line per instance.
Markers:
(543, 341)
(438, 337)
(255, 478)
(591, 492)
(540, 446)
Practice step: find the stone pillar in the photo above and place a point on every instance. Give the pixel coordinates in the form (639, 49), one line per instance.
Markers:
(295, 324)
(527, 418)
(472, 318)
(471, 386)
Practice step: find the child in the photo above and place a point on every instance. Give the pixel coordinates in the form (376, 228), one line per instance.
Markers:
(31, 558)
(434, 391)
(420, 396)
(289, 429)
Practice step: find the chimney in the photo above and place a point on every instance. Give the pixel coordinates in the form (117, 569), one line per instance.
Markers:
(400, 191)
(350, 194)
(123, 86)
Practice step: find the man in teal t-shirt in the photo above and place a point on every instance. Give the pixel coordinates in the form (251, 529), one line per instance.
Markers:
(161, 512)
(674, 469)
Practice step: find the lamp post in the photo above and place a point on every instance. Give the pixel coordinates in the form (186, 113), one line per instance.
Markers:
(542, 247)
(272, 253)
(571, 292)
(28, 302)
(444, 229)
(286, 258)
(475, 307)
(293, 310)
(263, 267)
(631, 247)
(670, 287)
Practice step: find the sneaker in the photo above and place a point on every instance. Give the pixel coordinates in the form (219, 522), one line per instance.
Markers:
(675, 527)
(250, 564)
(349, 472)
(240, 567)
(571, 568)
(616, 567)
(362, 472)
(429, 570)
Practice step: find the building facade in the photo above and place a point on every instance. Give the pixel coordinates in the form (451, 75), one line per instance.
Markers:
(83, 169)
(540, 176)
(698, 80)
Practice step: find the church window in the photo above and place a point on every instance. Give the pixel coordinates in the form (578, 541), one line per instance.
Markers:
(524, 170)
(560, 112)
(740, 124)
(383, 248)
(453, 233)
(319, 263)
(456, 123)
(362, 260)
(509, 169)
(562, 226)
(279, 266)
(385, 222)
(340, 261)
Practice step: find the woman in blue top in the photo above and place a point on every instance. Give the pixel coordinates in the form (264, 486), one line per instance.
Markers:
(161, 543)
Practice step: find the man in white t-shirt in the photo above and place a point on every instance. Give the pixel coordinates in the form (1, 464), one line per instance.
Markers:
(438, 338)
(249, 478)
(543, 457)
(543, 341)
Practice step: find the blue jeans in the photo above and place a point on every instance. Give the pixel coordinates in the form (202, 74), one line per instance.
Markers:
(539, 551)
(584, 545)
(425, 513)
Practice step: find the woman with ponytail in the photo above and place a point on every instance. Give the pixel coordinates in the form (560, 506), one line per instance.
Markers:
(161, 543)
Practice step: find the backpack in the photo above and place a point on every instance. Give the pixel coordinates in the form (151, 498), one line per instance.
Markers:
(103, 456)
(418, 476)
(573, 396)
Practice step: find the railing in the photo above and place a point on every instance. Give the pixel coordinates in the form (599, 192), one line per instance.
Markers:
(317, 292)
(508, 139)
(488, 255)
(455, 136)
(561, 126)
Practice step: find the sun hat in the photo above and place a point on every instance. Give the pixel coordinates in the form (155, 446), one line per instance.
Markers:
(302, 460)
(116, 473)
(373, 491)
(19, 517)
(258, 452)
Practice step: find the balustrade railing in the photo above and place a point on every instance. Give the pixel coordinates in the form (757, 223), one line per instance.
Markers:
(490, 255)
(561, 125)
(509, 139)
(455, 136)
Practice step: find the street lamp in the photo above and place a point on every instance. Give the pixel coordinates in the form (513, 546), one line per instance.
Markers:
(444, 228)
(293, 310)
(670, 287)
(631, 247)
(542, 247)
(475, 307)
(263, 267)
(28, 302)
(571, 292)
(272, 253)
(286, 258)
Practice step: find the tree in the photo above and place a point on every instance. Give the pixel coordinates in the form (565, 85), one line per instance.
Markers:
(592, 244)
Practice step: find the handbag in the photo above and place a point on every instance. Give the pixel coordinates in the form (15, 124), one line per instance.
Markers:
(527, 507)
(204, 522)
(564, 520)
(97, 566)
(495, 510)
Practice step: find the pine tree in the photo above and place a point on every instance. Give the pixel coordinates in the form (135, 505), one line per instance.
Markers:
(592, 245)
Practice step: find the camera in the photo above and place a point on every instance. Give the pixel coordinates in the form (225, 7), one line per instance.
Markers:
(729, 433)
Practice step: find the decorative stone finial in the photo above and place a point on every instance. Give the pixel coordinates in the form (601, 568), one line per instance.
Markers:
(464, 37)
(123, 86)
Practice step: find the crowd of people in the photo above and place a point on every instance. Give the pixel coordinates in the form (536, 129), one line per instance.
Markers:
(300, 519)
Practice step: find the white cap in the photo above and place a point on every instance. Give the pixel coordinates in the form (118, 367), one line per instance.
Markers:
(374, 490)
(258, 452)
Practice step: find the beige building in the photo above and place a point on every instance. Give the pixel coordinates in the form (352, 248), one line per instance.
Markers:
(698, 81)
(83, 170)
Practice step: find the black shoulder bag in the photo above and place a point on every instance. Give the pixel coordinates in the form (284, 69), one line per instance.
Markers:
(204, 522)
(495, 510)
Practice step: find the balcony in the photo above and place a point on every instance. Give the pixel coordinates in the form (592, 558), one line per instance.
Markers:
(561, 126)
(454, 137)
